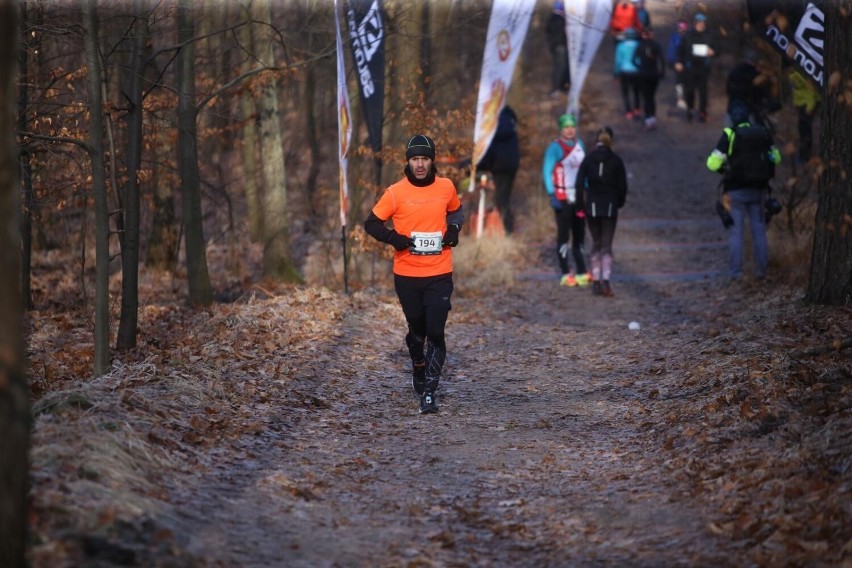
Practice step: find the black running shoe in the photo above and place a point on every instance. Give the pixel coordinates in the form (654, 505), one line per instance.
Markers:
(428, 403)
(597, 288)
(418, 379)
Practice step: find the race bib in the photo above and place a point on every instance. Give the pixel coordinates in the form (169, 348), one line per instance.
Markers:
(700, 50)
(426, 243)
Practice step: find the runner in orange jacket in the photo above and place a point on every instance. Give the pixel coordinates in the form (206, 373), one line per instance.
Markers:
(427, 217)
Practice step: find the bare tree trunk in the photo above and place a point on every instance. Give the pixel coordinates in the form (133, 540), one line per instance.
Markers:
(249, 145)
(403, 77)
(164, 240)
(96, 143)
(831, 263)
(26, 166)
(14, 392)
(310, 94)
(129, 317)
(277, 263)
(200, 290)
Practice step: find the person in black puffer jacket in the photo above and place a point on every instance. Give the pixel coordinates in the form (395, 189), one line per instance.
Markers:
(503, 159)
(604, 181)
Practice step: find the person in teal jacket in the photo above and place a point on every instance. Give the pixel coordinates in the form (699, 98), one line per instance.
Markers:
(562, 159)
(628, 73)
(747, 156)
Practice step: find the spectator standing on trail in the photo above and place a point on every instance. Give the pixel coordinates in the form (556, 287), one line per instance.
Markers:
(628, 73)
(671, 58)
(562, 158)
(747, 156)
(649, 60)
(503, 159)
(427, 217)
(624, 16)
(557, 41)
(741, 85)
(603, 178)
(694, 57)
(746, 83)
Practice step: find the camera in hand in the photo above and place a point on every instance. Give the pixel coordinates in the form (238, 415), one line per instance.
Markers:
(726, 218)
(771, 208)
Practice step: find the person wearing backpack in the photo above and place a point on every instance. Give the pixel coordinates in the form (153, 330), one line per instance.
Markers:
(746, 155)
(562, 158)
(628, 73)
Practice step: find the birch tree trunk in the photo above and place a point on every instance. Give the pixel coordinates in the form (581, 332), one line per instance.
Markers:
(14, 392)
(249, 147)
(277, 263)
(96, 151)
(831, 263)
(403, 79)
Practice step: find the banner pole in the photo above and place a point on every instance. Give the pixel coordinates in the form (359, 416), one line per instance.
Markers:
(345, 261)
(480, 216)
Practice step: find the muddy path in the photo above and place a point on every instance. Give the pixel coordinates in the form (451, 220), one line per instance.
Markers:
(546, 451)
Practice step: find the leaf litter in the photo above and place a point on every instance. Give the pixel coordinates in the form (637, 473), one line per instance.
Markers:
(291, 417)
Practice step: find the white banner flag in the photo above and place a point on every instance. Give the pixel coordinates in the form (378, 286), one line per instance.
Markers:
(344, 123)
(586, 24)
(507, 29)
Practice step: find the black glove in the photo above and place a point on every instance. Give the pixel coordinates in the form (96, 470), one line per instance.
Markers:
(400, 242)
(451, 237)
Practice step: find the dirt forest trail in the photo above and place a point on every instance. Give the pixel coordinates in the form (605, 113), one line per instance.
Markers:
(281, 430)
(546, 451)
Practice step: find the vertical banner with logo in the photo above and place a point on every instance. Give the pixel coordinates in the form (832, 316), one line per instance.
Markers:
(344, 136)
(507, 29)
(796, 28)
(344, 123)
(586, 24)
(365, 26)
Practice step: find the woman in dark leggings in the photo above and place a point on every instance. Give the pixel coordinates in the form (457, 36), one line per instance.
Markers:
(604, 182)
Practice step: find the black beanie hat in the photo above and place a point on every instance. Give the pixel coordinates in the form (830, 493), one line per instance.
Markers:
(420, 145)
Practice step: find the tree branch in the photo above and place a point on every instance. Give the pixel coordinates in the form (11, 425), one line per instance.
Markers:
(836, 345)
(57, 139)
